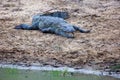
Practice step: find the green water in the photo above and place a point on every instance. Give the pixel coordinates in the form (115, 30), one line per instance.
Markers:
(15, 74)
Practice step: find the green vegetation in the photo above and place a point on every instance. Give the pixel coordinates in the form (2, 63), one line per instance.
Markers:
(63, 73)
(15, 74)
(115, 67)
(9, 70)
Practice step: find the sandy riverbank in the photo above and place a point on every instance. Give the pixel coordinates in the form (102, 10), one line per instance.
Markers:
(100, 49)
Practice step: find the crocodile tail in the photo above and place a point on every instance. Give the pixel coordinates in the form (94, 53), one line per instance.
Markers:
(81, 30)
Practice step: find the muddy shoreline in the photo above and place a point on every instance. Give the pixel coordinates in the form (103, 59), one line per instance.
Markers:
(21, 57)
(51, 68)
(100, 49)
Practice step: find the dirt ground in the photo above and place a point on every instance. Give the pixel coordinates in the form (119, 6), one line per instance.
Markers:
(99, 49)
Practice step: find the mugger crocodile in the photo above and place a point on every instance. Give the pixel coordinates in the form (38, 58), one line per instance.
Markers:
(51, 24)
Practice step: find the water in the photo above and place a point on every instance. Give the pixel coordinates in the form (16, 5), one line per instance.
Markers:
(22, 74)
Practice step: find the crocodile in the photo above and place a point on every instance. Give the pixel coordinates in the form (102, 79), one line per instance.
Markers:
(51, 24)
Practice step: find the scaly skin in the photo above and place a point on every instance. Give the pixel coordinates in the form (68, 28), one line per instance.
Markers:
(48, 24)
(59, 14)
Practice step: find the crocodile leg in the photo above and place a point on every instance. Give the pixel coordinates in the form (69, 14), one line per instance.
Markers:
(64, 34)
